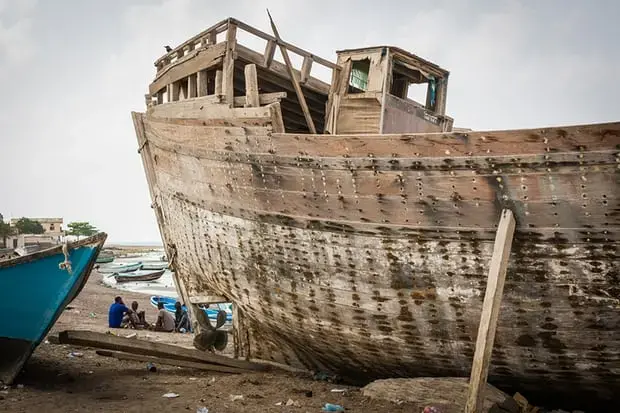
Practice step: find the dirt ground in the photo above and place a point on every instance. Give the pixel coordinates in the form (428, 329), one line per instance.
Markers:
(53, 381)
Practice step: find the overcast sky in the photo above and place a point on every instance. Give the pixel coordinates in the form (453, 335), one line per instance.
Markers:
(72, 71)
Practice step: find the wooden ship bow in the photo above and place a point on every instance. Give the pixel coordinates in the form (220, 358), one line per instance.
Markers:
(363, 249)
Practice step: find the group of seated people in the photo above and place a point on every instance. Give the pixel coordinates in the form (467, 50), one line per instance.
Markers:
(120, 316)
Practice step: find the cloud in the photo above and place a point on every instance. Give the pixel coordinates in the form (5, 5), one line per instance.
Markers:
(16, 43)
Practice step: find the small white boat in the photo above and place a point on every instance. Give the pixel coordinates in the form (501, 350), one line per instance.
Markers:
(154, 265)
(120, 268)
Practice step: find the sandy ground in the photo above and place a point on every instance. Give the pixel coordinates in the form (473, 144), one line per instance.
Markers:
(52, 381)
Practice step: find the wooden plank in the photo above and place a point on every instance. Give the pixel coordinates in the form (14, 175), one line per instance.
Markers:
(219, 76)
(264, 99)
(289, 66)
(306, 67)
(170, 362)
(208, 299)
(228, 81)
(205, 108)
(490, 312)
(149, 348)
(192, 63)
(270, 51)
(251, 87)
(201, 83)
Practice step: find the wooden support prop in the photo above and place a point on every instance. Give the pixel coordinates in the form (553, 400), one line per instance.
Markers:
(306, 67)
(149, 348)
(218, 82)
(251, 86)
(170, 362)
(228, 82)
(300, 94)
(490, 312)
(270, 51)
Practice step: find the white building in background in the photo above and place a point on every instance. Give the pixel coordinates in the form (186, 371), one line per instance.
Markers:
(54, 234)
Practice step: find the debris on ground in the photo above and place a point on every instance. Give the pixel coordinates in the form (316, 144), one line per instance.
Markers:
(202, 410)
(235, 397)
(170, 395)
(75, 354)
(333, 408)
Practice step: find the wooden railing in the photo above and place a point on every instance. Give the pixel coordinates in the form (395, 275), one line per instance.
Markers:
(188, 85)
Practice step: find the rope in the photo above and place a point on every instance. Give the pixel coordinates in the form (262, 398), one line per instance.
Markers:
(66, 264)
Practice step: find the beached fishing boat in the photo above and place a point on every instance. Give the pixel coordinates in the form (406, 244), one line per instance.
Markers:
(154, 265)
(352, 227)
(139, 275)
(35, 290)
(105, 259)
(120, 268)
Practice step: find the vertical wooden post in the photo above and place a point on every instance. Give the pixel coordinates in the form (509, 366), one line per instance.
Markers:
(173, 92)
(251, 87)
(192, 86)
(490, 312)
(270, 50)
(289, 67)
(218, 83)
(306, 67)
(229, 64)
(202, 83)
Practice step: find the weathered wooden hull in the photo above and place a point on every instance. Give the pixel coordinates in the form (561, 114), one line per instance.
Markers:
(367, 256)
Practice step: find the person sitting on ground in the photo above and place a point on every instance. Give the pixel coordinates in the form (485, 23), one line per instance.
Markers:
(134, 318)
(165, 320)
(116, 312)
(181, 319)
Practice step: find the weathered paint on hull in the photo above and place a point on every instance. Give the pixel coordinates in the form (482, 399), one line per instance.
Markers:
(35, 292)
(367, 255)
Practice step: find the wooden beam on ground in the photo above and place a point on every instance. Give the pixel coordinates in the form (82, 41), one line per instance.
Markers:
(289, 66)
(149, 348)
(229, 64)
(170, 362)
(251, 86)
(490, 312)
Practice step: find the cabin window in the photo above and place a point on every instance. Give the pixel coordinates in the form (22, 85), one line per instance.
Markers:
(358, 81)
(51, 227)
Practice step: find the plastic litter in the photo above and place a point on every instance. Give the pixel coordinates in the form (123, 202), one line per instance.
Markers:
(170, 395)
(202, 410)
(151, 367)
(235, 397)
(75, 354)
(339, 390)
(333, 408)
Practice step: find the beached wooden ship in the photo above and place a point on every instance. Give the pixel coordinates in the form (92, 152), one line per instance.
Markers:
(353, 228)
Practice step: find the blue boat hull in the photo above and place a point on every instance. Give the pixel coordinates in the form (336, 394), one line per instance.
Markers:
(35, 290)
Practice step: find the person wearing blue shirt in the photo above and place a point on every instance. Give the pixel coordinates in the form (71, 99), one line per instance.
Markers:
(115, 315)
